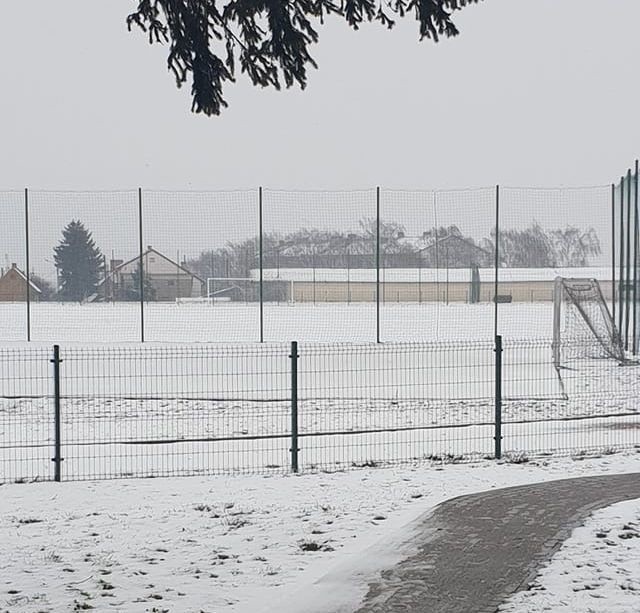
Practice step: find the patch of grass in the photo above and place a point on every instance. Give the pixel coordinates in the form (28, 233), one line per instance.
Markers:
(309, 545)
(515, 457)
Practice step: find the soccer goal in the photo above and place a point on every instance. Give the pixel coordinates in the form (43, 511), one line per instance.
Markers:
(247, 289)
(583, 327)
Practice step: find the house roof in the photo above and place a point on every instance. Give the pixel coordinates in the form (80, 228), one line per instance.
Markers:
(23, 277)
(429, 275)
(454, 238)
(122, 267)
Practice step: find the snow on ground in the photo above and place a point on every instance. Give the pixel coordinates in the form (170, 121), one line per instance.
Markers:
(224, 544)
(597, 570)
(240, 323)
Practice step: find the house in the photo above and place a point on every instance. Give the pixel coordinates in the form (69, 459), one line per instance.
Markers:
(453, 251)
(167, 279)
(13, 286)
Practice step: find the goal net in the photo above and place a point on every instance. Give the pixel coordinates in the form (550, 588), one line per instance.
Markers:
(247, 289)
(583, 327)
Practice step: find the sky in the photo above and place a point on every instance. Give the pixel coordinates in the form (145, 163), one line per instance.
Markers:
(533, 92)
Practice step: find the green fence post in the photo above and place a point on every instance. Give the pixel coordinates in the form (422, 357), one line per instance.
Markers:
(57, 457)
(498, 399)
(294, 406)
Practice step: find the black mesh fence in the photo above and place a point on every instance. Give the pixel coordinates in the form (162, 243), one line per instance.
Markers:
(75, 239)
(432, 244)
(320, 266)
(200, 254)
(587, 407)
(544, 234)
(26, 414)
(319, 255)
(13, 266)
(139, 411)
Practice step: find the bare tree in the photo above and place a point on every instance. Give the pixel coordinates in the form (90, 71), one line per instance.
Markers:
(269, 39)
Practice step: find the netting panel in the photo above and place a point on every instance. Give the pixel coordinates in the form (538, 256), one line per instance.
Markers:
(545, 233)
(189, 237)
(321, 246)
(84, 313)
(13, 308)
(431, 244)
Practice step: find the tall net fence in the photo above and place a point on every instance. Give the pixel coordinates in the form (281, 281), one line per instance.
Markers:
(544, 234)
(625, 259)
(73, 239)
(320, 247)
(199, 253)
(325, 266)
(13, 251)
(433, 244)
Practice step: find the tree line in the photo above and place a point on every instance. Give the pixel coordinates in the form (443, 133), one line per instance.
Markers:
(440, 247)
(81, 269)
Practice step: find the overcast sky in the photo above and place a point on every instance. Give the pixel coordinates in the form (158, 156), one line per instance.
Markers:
(533, 92)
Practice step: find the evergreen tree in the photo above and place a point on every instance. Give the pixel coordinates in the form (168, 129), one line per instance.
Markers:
(134, 292)
(79, 261)
(210, 41)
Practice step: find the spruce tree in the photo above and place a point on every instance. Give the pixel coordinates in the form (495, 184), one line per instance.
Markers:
(79, 262)
(210, 42)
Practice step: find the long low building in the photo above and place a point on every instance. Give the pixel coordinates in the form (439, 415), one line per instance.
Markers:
(422, 284)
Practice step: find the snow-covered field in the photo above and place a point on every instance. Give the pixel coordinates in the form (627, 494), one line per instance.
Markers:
(245, 544)
(239, 323)
(596, 570)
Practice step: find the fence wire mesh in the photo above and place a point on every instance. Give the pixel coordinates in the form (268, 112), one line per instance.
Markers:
(320, 247)
(319, 266)
(431, 243)
(587, 406)
(174, 411)
(199, 251)
(144, 410)
(14, 317)
(543, 234)
(73, 291)
(26, 415)
(362, 405)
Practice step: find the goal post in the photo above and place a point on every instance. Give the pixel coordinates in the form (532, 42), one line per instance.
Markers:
(582, 323)
(247, 289)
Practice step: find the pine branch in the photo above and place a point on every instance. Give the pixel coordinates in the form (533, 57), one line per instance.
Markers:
(268, 39)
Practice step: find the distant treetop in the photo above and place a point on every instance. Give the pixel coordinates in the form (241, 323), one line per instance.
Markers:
(269, 39)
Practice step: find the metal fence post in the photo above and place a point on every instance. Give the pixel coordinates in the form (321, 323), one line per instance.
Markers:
(261, 256)
(496, 280)
(498, 399)
(377, 264)
(636, 245)
(294, 406)
(27, 262)
(57, 457)
(628, 295)
(614, 296)
(141, 265)
(621, 264)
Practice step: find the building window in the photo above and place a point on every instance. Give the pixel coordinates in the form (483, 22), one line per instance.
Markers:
(171, 282)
